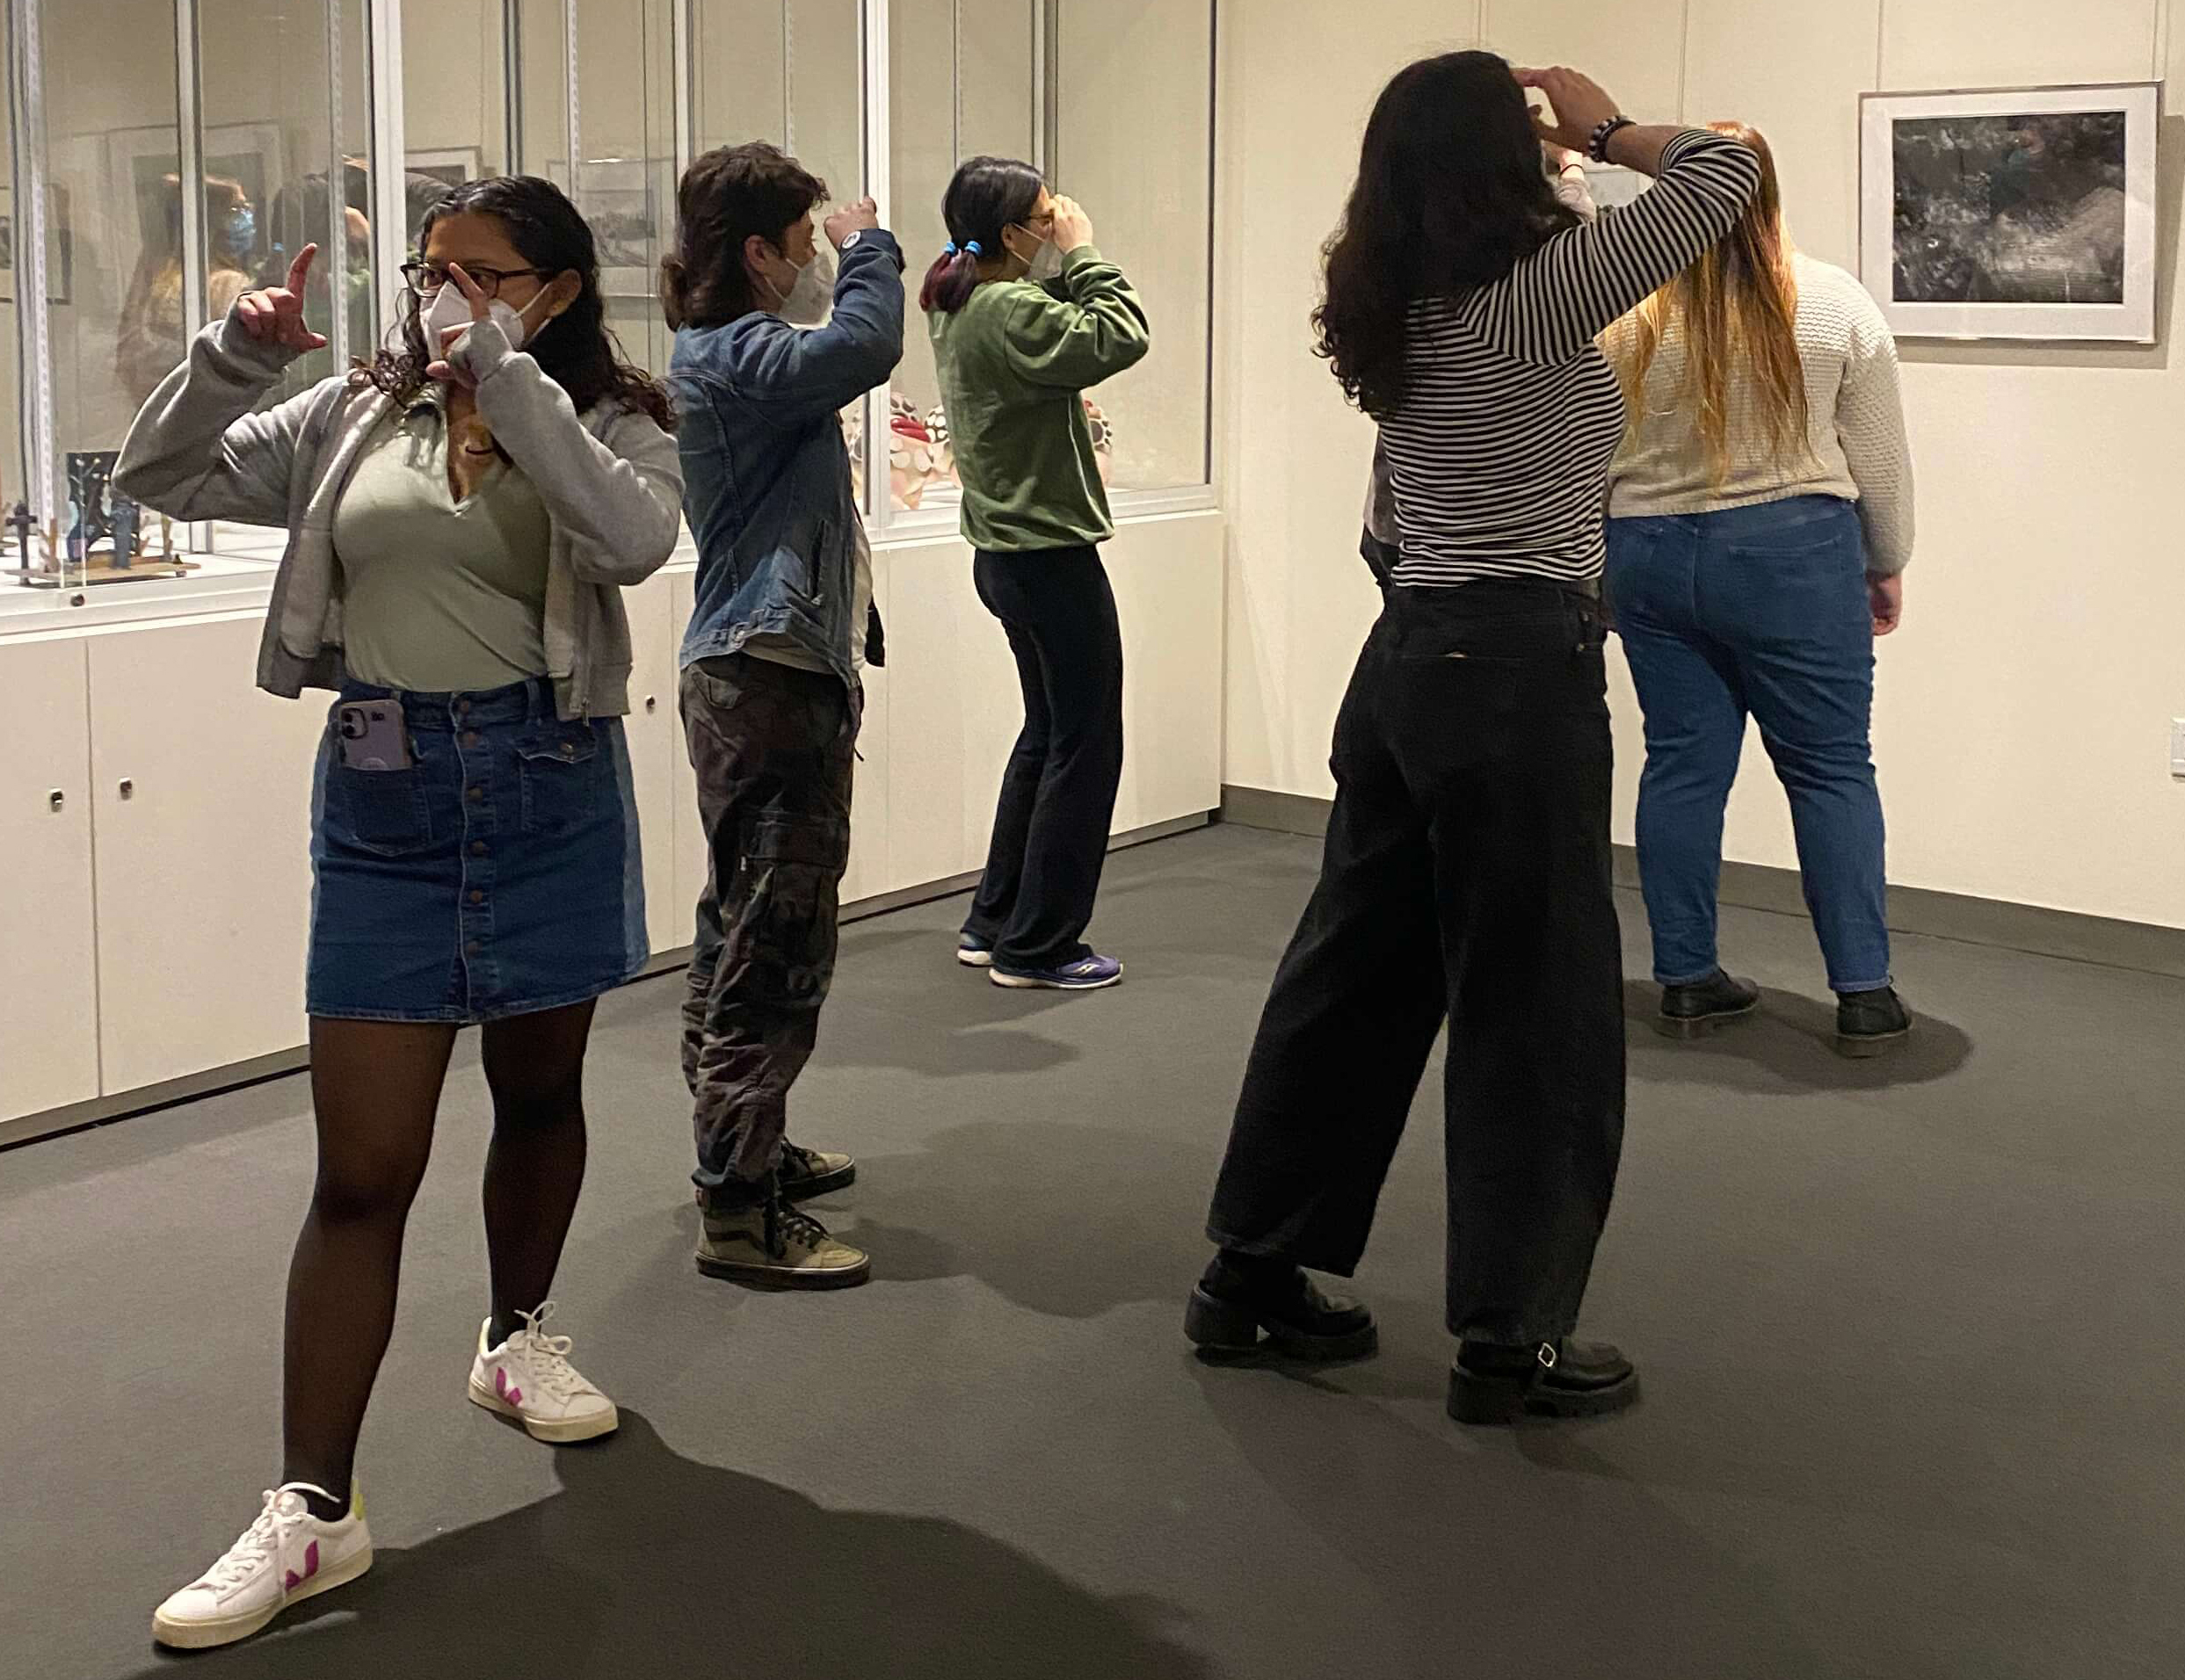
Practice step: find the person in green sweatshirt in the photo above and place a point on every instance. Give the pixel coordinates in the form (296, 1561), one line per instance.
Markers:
(1026, 315)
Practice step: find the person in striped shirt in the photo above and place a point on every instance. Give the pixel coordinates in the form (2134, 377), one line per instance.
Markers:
(1467, 871)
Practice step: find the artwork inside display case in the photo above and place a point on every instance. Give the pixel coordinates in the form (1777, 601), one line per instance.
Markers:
(2011, 216)
(102, 537)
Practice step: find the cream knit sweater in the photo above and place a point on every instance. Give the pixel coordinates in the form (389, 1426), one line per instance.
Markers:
(1856, 426)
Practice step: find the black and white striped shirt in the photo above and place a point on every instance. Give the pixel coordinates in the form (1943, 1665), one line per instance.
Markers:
(1498, 457)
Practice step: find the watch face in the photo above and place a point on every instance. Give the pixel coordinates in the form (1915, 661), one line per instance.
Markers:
(851, 243)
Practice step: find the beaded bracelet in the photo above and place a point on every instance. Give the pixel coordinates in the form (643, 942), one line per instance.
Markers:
(1597, 148)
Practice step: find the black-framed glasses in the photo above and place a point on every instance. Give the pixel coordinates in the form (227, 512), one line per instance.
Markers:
(425, 278)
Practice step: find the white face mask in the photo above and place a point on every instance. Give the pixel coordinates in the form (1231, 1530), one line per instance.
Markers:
(1044, 265)
(811, 296)
(451, 309)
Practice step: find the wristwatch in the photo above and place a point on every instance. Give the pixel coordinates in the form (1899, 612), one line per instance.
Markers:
(850, 245)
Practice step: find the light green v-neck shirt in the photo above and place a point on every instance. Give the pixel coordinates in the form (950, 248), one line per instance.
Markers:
(439, 595)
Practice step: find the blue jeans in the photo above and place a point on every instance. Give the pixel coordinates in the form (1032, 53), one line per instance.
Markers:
(1759, 611)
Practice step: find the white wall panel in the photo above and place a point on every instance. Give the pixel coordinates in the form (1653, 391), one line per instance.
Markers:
(1635, 51)
(1937, 44)
(1795, 72)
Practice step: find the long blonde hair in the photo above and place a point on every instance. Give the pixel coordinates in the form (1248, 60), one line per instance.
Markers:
(1738, 306)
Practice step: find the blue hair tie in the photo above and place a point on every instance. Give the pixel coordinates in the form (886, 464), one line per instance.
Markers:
(974, 249)
(949, 249)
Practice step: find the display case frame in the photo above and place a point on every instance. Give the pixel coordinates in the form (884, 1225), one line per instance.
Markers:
(228, 556)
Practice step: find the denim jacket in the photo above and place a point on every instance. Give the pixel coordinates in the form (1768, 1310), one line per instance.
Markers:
(767, 474)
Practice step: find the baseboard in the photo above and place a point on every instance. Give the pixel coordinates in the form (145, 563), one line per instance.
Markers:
(150, 1099)
(2137, 945)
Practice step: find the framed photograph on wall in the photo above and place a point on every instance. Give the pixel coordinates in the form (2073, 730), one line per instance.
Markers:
(455, 165)
(2014, 214)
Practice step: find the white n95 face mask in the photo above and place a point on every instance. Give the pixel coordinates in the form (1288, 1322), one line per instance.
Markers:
(450, 309)
(1047, 266)
(812, 295)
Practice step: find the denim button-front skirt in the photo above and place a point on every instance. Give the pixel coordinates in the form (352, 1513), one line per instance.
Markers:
(500, 875)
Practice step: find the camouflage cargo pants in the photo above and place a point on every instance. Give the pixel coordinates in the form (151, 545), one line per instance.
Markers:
(774, 748)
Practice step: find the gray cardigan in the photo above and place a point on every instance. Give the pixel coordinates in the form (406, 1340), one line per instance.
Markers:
(612, 482)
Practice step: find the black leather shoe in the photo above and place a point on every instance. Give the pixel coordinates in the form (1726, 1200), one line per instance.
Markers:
(1690, 1012)
(1871, 1024)
(1242, 1295)
(1500, 1385)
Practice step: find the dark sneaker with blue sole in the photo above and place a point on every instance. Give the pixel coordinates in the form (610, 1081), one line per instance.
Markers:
(1085, 975)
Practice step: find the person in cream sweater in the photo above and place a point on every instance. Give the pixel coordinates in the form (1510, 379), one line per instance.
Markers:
(1761, 520)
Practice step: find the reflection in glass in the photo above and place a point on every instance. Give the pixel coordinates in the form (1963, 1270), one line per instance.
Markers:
(1134, 138)
(114, 159)
(965, 81)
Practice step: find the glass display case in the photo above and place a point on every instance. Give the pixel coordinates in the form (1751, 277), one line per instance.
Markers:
(162, 155)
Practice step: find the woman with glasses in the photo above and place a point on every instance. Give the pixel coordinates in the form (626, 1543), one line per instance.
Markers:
(1025, 316)
(463, 515)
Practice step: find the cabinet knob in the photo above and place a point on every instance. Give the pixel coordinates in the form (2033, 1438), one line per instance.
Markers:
(56, 799)
(652, 702)
(128, 788)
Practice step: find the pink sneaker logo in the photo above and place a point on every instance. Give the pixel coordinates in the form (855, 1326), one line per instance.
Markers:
(311, 1567)
(513, 1396)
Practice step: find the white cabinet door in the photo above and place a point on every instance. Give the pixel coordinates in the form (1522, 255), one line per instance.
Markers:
(48, 1004)
(655, 747)
(689, 873)
(201, 795)
(871, 871)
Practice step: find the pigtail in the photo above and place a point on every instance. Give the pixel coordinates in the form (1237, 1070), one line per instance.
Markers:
(952, 280)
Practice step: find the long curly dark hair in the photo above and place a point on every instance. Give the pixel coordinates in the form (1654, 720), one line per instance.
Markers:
(575, 349)
(1452, 194)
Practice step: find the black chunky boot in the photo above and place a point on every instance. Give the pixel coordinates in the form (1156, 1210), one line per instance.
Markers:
(1500, 1385)
(1692, 1012)
(1871, 1024)
(1243, 1294)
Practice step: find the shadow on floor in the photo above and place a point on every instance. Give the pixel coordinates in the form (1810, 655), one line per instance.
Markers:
(1008, 1204)
(1525, 1569)
(649, 1564)
(1790, 1041)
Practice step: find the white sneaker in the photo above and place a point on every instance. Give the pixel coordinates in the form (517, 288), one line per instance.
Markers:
(529, 1377)
(284, 1557)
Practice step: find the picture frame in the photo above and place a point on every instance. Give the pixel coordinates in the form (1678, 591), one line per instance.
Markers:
(456, 165)
(2012, 214)
(60, 246)
(625, 205)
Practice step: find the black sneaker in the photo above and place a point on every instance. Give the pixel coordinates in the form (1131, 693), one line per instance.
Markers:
(1243, 1294)
(1871, 1024)
(1500, 1385)
(1691, 1012)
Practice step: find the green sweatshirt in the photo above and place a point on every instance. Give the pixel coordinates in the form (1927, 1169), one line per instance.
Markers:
(1014, 362)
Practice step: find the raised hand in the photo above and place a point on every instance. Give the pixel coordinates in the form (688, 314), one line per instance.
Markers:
(1581, 105)
(860, 218)
(275, 316)
(481, 310)
(1073, 229)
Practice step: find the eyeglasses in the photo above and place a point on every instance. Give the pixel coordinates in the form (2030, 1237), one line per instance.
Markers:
(425, 278)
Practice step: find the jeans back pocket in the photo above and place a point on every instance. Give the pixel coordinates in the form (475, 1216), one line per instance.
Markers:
(561, 769)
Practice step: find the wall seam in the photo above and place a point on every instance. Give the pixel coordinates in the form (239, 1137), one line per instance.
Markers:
(1684, 63)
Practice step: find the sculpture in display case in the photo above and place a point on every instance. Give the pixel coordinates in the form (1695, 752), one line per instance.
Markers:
(102, 539)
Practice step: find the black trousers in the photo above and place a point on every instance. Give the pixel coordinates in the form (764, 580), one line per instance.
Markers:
(1466, 879)
(1058, 792)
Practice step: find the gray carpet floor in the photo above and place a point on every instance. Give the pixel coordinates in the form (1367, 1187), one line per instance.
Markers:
(1915, 1398)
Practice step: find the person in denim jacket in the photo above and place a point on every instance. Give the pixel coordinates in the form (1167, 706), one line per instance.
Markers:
(772, 343)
